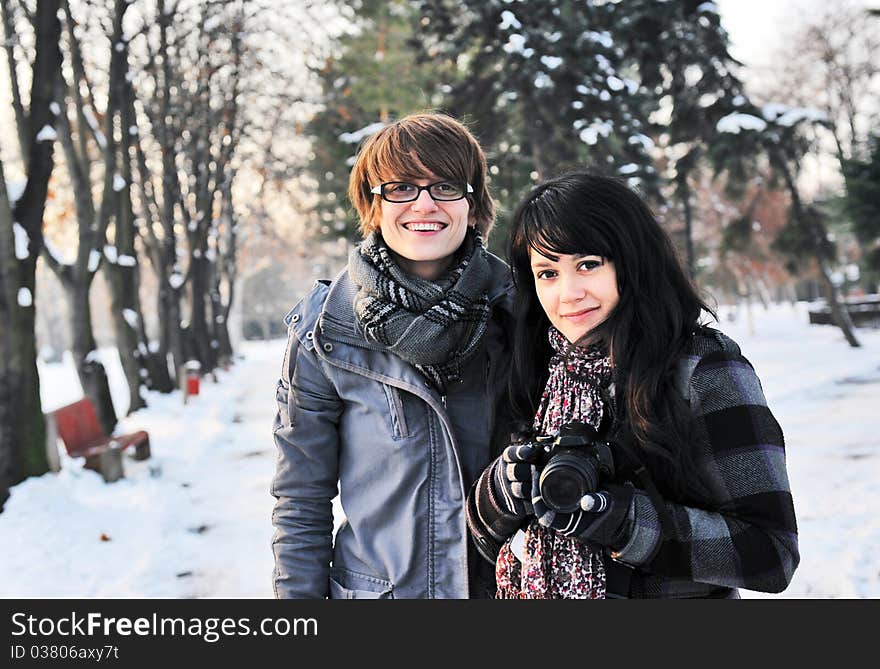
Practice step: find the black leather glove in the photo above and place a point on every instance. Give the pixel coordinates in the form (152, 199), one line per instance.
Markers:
(601, 520)
(512, 476)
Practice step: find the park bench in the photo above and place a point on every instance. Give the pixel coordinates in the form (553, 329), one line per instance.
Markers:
(863, 310)
(77, 426)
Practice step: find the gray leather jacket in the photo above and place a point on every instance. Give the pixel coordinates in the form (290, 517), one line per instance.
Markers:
(353, 414)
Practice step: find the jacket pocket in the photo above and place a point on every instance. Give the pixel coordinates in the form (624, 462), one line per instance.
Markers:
(346, 584)
(399, 429)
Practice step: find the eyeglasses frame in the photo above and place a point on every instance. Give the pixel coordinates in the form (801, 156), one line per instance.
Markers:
(379, 190)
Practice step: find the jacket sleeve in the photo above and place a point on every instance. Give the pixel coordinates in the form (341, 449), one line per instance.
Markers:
(306, 475)
(745, 536)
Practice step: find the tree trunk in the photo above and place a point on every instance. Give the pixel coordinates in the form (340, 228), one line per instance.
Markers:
(126, 323)
(684, 194)
(173, 331)
(157, 359)
(123, 273)
(221, 321)
(818, 236)
(22, 424)
(199, 327)
(169, 295)
(22, 427)
(91, 372)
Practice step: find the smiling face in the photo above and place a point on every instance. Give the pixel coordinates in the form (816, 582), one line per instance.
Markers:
(424, 234)
(577, 292)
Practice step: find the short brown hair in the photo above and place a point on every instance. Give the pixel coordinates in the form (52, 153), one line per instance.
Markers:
(418, 144)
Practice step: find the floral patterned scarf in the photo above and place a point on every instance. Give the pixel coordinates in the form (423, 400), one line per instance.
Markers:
(554, 566)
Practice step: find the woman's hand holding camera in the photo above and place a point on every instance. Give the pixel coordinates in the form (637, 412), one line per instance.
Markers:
(513, 474)
(600, 520)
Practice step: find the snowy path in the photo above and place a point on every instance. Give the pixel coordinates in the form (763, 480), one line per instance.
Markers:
(194, 520)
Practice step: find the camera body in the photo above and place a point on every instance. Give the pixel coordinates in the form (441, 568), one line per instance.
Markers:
(572, 464)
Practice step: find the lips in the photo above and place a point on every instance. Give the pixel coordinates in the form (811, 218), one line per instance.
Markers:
(579, 314)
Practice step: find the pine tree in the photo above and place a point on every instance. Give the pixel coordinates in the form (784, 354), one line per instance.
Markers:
(681, 51)
(556, 85)
(548, 85)
(862, 204)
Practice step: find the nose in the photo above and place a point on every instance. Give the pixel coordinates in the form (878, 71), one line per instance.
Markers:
(424, 202)
(572, 289)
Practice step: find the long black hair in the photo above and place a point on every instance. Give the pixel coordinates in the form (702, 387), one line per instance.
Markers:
(650, 327)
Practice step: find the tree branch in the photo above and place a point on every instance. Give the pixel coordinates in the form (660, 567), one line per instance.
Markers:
(21, 118)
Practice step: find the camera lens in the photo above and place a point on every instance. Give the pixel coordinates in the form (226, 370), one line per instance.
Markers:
(567, 477)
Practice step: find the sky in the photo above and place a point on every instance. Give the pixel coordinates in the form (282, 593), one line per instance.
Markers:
(758, 28)
(194, 519)
(754, 25)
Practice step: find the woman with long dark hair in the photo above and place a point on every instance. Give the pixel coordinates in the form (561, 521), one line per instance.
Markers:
(691, 497)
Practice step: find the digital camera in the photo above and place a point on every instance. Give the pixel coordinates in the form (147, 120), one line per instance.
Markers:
(573, 463)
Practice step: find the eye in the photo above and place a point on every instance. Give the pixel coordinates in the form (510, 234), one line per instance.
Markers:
(590, 264)
(447, 190)
(401, 188)
(546, 274)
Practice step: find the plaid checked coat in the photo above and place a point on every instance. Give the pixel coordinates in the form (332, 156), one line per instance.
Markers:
(744, 534)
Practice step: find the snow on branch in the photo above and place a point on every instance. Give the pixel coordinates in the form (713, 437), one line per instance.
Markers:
(787, 116)
(47, 134)
(131, 317)
(25, 299)
(94, 260)
(22, 241)
(15, 189)
(358, 135)
(734, 123)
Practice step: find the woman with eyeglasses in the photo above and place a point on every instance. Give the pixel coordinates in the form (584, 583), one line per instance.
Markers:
(393, 381)
(666, 472)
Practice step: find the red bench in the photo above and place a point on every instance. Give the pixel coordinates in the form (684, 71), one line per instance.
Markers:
(77, 426)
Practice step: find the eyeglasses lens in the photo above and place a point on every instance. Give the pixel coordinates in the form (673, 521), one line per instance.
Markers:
(406, 192)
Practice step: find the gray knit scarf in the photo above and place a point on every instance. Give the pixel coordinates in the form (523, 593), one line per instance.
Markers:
(437, 326)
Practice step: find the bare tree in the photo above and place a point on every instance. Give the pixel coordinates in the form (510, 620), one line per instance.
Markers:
(193, 66)
(92, 220)
(121, 260)
(22, 426)
(160, 203)
(835, 67)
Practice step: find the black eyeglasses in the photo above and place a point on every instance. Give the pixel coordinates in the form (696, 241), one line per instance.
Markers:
(442, 191)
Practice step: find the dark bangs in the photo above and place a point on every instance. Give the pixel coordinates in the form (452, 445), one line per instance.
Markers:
(554, 224)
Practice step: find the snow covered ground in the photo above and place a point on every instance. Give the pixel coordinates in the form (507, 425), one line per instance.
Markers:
(194, 520)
